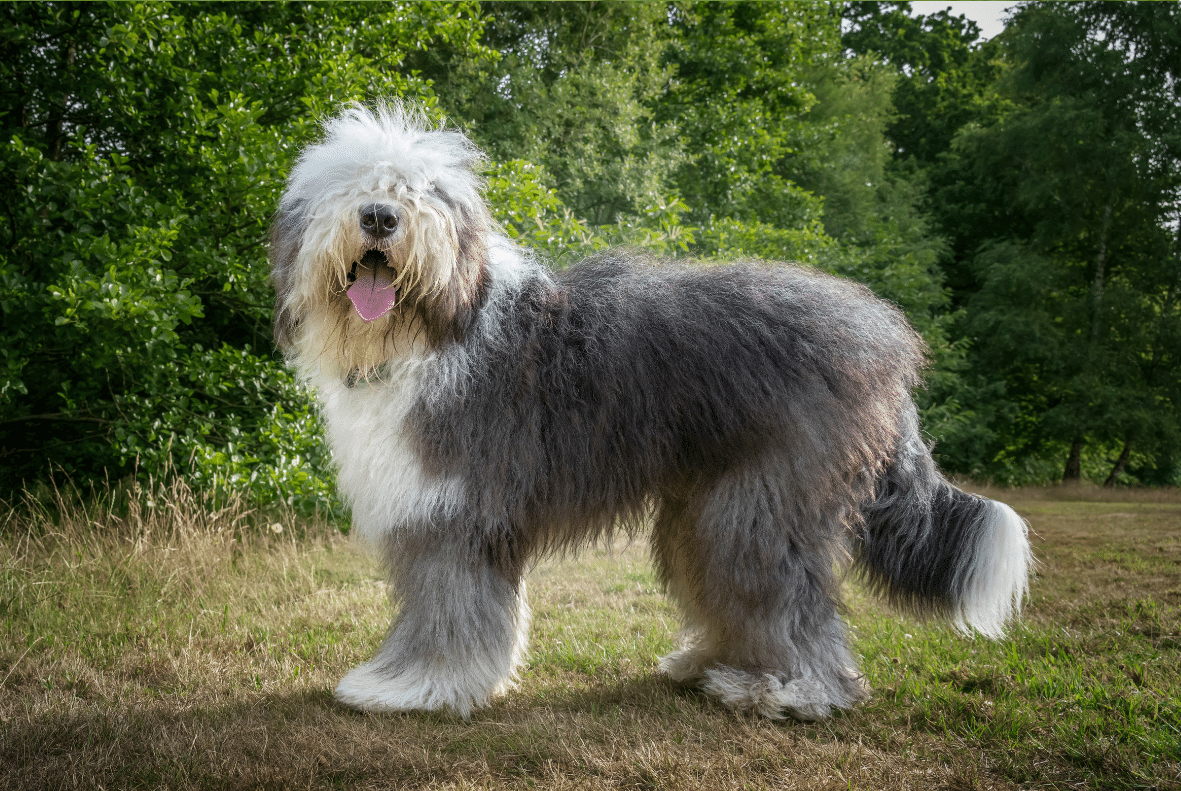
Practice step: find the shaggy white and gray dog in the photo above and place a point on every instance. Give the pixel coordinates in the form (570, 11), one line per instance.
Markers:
(485, 410)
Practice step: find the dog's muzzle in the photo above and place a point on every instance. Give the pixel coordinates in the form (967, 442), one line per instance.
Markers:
(372, 288)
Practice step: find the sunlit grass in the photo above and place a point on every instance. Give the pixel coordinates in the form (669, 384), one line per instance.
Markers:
(183, 645)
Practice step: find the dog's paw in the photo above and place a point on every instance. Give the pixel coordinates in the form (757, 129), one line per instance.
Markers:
(804, 698)
(368, 688)
(686, 666)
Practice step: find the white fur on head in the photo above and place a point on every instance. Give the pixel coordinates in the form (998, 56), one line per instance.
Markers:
(389, 155)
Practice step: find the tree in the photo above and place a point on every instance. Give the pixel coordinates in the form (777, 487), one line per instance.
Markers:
(946, 74)
(1074, 196)
(571, 93)
(739, 99)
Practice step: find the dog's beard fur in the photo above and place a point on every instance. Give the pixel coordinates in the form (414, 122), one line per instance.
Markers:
(335, 335)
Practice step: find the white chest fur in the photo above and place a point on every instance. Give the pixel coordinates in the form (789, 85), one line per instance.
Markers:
(380, 472)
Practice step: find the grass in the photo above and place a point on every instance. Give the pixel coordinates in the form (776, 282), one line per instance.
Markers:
(184, 645)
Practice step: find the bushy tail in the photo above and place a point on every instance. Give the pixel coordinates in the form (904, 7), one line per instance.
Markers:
(933, 549)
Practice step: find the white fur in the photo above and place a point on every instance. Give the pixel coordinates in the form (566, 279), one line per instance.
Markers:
(508, 268)
(390, 156)
(687, 664)
(380, 473)
(393, 148)
(446, 684)
(804, 698)
(999, 576)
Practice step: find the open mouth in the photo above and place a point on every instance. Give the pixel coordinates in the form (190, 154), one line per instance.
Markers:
(372, 290)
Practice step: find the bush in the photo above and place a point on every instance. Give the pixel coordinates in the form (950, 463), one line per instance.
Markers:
(143, 151)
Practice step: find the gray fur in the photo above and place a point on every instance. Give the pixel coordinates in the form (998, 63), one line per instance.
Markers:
(757, 417)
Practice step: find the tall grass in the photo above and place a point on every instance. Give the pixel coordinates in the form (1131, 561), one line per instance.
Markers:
(161, 638)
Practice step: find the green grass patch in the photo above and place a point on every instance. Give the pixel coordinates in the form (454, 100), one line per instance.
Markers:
(183, 646)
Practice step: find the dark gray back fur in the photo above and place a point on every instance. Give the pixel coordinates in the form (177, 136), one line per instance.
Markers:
(661, 378)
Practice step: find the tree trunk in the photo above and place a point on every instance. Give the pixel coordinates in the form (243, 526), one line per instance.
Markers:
(1120, 463)
(1073, 474)
(1100, 272)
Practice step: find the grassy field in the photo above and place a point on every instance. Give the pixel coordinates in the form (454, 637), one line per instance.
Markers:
(185, 646)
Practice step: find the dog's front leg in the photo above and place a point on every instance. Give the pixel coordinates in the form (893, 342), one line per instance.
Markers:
(460, 629)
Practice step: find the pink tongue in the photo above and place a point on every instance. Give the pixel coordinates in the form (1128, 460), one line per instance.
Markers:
(373, 293)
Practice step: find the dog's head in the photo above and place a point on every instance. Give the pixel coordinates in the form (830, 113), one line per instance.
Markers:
(380, 238)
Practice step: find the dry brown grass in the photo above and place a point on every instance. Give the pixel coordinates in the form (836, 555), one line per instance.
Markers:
(188, 647)
(1085, 493)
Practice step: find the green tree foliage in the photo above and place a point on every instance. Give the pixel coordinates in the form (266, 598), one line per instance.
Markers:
(144, 148)
(943, 79)
(1051, 155)
(571, 93)
(945, 74)
(738, 98)
(1070, 204)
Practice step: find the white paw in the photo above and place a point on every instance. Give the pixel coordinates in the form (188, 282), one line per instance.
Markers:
(368, 689)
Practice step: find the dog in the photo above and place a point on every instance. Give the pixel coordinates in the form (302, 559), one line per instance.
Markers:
(483, 411)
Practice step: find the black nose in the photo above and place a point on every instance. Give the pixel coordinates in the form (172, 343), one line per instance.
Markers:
(379, 220)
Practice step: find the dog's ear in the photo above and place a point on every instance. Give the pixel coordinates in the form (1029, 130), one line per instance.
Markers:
(286, 239)
(450, 313)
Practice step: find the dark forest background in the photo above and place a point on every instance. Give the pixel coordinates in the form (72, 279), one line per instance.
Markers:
(1019, 198)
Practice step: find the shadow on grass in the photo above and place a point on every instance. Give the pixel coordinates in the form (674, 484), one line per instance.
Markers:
(643, 731)
(279, 740)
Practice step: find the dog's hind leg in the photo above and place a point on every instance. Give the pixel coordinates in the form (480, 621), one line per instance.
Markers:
(460, 631)
(676, 554)
(752, 565)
